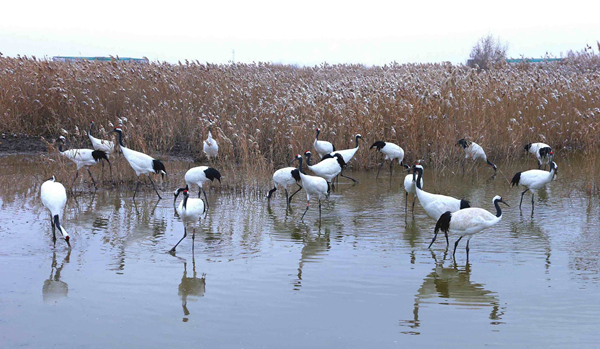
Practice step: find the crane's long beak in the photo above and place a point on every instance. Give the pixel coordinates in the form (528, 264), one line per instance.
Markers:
(505, 203)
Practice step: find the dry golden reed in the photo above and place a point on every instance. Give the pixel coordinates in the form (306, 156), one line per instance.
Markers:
(263, 114)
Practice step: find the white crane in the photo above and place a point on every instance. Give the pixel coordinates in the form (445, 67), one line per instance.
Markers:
(211, 148)
(391, 151)
(347, 155)
(534, 180)
(108, 147)
(189, 211)
(313, 186)
(81, 158)
(322, 147)
(54, 198)
(410, 188)
(542, 151)
(468, 222)
(327, 168)
(200, 175)
(283, 178)
(141, 163)
(434, 204)
(474, 151)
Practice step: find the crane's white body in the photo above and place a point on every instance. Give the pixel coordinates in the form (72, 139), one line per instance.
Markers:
(536, 179)
(197, 175)
(392, 152)
(283, 177)
(327, 169)
(141, 163)
(314, 186)
(468, 222)
(534, 149)
(101, 144)
(322, 147)
(189, 210)
(81, 157)
(190, 215)
(54, 198)
(410, 186)
(211, 148)
(348, 154)
(435, 204)
(475, 152)
(472, 220)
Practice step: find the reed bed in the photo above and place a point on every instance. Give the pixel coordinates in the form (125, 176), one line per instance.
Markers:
(263, 114)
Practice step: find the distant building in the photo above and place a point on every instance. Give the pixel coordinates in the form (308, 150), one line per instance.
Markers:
(533, 60)
(102, 59)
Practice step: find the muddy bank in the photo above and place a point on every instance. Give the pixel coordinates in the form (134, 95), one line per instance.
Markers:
(15, 144)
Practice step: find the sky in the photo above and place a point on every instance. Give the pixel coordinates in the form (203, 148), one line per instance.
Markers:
(305, 33)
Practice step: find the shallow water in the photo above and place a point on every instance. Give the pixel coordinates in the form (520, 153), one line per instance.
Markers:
(259, 278)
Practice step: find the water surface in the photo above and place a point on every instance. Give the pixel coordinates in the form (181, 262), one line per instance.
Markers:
(258, 277)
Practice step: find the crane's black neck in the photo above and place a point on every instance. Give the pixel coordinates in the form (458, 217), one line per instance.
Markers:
(62, 145)
(90, 131)
(308, 159)
(185, 199)
(356, 139)
(120, 133)
(498, 209)
(317, 137)
(300, 165)
(57, 223)
(420, 171)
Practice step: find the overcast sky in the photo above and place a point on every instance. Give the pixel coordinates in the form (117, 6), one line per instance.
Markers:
(305, 33)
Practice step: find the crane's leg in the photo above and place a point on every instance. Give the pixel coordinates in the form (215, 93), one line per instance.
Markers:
(205, 198)
(432, 240)
(406, 205)
(413, 205)
(307, 203)
(352, 179)
(53, 230)
(532, 195)
(379, 170)
(522, 194)
(319, 209)
(136, 188)
(194, 239)
(153, 186)
(455, 245)
(268, 195)
(92, 177)
(76, 175)
(184, 235)
(391, 163)
(300, 188)
(468, 249)
(287, 198)
(447, 241)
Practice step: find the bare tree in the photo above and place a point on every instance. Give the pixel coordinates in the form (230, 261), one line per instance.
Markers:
(487, 52)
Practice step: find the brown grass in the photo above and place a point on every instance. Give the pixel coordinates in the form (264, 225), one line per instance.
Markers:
(263, 114)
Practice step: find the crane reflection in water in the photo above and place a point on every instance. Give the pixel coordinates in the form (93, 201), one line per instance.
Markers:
(54, 290)
(453, 286)
(190, 286)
